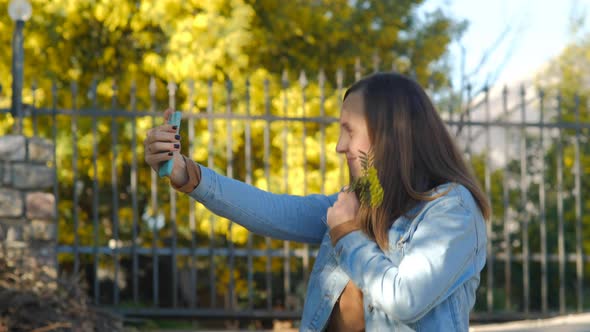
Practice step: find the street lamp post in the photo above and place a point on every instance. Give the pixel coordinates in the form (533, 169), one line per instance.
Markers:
(19, 11)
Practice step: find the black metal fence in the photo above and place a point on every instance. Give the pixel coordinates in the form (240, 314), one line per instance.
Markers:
(145, 251)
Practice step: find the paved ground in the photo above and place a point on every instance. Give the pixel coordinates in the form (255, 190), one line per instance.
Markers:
(570, 323)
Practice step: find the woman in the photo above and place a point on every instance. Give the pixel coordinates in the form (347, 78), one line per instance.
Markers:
(411, 263)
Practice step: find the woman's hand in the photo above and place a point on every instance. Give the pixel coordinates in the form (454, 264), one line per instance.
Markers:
(345, 209)
(161, 144)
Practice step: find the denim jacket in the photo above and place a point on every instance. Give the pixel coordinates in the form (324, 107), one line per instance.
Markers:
(426, 281)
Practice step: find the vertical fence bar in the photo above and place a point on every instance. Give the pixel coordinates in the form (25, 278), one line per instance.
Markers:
(468, 115)
(230, 173)
(357, 69)
(172, 104)
(17, 76)
(248, 162)
(115, 188)
(376, 61)
(286, 244)
(450, 115)
(578, 199)
(339, 89)
(461, 122)
(95, 190)
(133, 179)
(523, 202)
(303, 84)
(55, 159)
(542, 215)
(154, 202)
(191, 204)
(210, 162)
(507, 240)
(74, 128)
(488, 188)
(560, 221)
(322, 83)
(268, 187)
(34, 109)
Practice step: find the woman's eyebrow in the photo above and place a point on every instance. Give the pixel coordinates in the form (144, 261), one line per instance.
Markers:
(345, 125)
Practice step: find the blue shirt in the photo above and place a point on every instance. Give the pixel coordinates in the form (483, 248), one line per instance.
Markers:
(425, 281)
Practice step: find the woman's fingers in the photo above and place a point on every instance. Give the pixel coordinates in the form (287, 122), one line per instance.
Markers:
(167, 128)
(157, 158)
(161, 136)
(161, 142)
(159, 147)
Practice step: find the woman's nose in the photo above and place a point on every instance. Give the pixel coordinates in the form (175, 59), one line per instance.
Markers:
(340, 146)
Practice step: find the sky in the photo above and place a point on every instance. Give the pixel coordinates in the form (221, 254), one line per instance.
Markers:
(539, 31)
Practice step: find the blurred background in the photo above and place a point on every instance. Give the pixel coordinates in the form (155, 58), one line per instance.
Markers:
(260, 83)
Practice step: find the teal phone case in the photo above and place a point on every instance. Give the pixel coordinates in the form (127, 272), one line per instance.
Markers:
(166, 167)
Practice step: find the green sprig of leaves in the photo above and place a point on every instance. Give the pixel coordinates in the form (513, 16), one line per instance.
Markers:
(367, 185)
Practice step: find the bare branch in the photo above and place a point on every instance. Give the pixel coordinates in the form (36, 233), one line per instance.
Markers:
(492, 49)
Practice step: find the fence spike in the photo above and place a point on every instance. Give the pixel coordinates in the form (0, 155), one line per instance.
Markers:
(285, 79)
(357, 68)
(340, 77)
(152, 86)
(229, 85)
(74, 88)
(376, 61)
(133, 94)
(133, 87)
(92, 91)
(303, 79)
(172, 87)
(172, 94)
(322, 78)
(53, 90)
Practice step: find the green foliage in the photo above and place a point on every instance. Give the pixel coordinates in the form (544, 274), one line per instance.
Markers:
(367, 185)
(111, 49)
(121, 54)
(332, 34)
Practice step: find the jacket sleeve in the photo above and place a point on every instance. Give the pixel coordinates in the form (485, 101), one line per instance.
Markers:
(437, 259)
(285, 217)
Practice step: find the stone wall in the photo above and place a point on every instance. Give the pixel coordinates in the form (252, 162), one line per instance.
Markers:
(27, 204)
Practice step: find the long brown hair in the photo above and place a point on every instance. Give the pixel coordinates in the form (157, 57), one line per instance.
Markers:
(414, 152)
